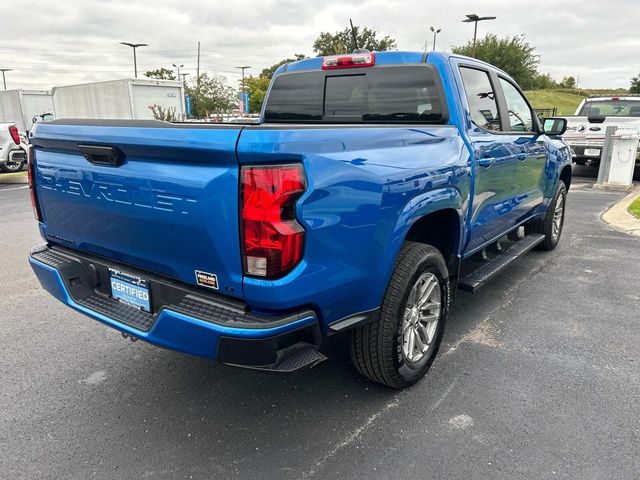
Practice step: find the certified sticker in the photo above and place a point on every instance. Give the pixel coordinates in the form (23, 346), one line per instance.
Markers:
(206, 279)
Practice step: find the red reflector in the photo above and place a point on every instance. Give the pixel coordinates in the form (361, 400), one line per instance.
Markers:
(272, 238)
(31, 179)
(353, 60)
(13, 131)
(615, 99)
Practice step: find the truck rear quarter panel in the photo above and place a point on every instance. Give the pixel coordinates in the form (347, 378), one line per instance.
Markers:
(366, 186)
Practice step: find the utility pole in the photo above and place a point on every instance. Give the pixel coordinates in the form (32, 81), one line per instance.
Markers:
(473, 18)
(435, 33)
(178, 67)
(4, 80)
(198, 68)
(134, 46)
(426, 46)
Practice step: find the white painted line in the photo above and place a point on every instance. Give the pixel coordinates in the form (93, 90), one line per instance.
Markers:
(15, 188)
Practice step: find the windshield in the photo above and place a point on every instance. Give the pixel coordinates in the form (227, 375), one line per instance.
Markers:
(611, 108)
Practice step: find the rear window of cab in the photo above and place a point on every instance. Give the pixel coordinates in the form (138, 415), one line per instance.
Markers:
(383, 94)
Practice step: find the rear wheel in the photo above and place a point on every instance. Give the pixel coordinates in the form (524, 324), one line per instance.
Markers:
(11, 167)
(553, 222)
(400, 347)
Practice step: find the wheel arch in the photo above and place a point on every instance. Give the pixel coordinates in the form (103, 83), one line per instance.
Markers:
(565, 175)
(417, 220)
(446, 237)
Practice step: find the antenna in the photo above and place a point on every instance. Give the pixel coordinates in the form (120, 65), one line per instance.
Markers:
(355, 38)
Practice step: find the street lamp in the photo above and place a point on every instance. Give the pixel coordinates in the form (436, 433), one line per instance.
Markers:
(435, 33)
(243, 68)
(473, 18)
(134, 46)
(178, 67)
(4, 81)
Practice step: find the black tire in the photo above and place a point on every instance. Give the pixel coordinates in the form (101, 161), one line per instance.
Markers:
(11, 167)
(377, 348)
(545, 226)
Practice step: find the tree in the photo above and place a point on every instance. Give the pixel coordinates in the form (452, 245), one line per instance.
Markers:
(211, 94)
(268, 72)
(635, 85)
(543, 81)
(342, 42)
(568, 82)
(165, 114)
(161, 74)
(257, 86)
(514, 55)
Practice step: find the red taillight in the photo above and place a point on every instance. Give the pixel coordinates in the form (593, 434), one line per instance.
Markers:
(13, 131)
(31, 178)
(353, 60)
(272, 238)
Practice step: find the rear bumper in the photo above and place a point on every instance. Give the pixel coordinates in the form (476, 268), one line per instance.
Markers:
(185, 319)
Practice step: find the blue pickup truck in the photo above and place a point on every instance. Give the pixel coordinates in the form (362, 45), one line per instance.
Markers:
(375, 186)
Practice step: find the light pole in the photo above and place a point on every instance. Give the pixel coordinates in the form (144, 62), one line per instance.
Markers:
(243, 68)
(134, 46)
(473, 18)
(184, 78)
(4, 80)
(435, 33)
(178, 67)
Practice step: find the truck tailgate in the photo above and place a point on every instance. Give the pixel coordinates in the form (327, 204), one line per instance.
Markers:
(170, 206)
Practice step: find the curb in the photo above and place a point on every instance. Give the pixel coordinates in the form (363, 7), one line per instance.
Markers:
(619, 218)
(13, 178)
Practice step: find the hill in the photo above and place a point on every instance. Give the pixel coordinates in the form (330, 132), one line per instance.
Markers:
(565, 100)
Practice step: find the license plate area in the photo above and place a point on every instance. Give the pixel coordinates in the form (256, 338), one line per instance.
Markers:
(592, 152)
(130, 289)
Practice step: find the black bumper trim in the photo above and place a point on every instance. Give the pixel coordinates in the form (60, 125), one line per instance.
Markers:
(86, 278)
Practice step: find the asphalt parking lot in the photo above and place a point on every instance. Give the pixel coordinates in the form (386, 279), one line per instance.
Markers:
(538, 377)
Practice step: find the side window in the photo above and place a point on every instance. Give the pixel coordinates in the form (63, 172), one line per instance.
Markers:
(481, 98)
(520, 118)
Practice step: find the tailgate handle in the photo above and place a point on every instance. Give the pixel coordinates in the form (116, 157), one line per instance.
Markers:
(101, 155)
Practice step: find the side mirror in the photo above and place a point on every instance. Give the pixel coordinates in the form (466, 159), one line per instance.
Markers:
(554, 126)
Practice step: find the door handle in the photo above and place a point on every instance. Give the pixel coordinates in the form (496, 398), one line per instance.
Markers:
(101, 155)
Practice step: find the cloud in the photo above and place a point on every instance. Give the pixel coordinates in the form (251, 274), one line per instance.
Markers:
(78, 40)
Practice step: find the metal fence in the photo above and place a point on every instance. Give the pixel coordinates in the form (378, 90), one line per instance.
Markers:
(546, 112)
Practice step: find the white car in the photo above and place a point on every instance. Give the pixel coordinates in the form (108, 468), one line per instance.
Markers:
(13, 148)
(586, 130)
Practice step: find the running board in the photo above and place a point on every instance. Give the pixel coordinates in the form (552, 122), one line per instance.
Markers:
(291, 359)
(489, 269)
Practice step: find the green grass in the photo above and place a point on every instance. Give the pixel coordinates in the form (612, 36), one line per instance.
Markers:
(17, 177)
(565, 101)
(634, 208)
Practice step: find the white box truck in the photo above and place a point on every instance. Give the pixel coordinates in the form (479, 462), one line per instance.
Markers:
(127, 99)
(23, 107)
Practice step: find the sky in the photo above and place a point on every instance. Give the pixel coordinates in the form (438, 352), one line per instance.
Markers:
(54, 42)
